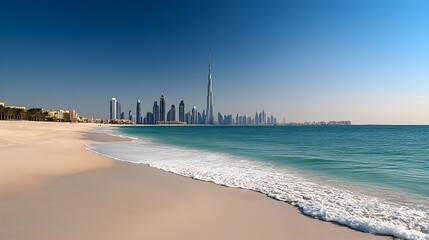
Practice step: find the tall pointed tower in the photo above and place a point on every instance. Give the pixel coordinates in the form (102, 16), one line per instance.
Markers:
(209, 112)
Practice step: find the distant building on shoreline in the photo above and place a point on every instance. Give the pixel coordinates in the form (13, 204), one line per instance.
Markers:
(130, 116)
(210, 111)
(149, 118)
(63, 116)
(194, 115)
(138, 112)
(113, 110)
(171, 116)
(182, 111)
(2, 104)
(39, 114)
(155, 111)
(118, 109)
(321, 123)
(162, 108)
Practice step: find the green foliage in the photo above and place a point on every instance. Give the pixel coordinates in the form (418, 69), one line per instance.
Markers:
(33, 114)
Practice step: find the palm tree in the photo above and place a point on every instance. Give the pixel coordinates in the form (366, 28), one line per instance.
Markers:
(19, 113)
(8, 112)
(1, 112)
(37, 114)
(31, 114)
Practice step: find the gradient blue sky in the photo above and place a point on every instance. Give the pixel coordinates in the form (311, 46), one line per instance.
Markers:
(361, 60)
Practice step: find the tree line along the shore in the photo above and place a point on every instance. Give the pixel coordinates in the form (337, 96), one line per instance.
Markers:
(33, 114)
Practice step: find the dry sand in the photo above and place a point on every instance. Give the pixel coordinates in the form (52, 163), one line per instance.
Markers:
(52, 188)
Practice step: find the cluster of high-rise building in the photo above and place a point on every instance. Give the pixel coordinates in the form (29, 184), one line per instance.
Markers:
(260, 118)
(160, 115)
(321, 123)
(115, 109)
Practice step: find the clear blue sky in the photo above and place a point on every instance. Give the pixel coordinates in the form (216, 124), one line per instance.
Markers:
(360, 60)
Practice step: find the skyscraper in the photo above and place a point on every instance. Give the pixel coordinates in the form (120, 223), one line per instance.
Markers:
(182, 111)
(219, 118)
(188, 118)
(172, 114)
(204, 116)
(155, 111)
(130, 116)
(200, 118)
(194, 114)
(138, 112)
(169, 115)
(209, 112)
(118, 109)
(149, 118)
(113, 110)
(162, 108)
(264, 117)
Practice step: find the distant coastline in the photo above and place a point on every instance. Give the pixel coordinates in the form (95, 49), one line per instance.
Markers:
(40, 114)
(321, 123)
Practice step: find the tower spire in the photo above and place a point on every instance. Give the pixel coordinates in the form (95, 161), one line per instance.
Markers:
(209, 113)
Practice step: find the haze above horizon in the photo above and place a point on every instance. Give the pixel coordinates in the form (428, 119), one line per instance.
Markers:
(365, 61)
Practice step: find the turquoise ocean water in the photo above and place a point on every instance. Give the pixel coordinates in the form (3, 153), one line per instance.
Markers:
(371, 178)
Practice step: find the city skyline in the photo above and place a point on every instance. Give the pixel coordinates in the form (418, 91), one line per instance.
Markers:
(364, 61)
(193, 116)
(158, 115)
(115, 110)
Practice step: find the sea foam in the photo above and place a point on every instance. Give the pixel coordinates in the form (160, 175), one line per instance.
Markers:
(356, 210)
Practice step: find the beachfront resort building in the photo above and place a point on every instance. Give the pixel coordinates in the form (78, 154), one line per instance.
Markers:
(17, 107)
(64, 115)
